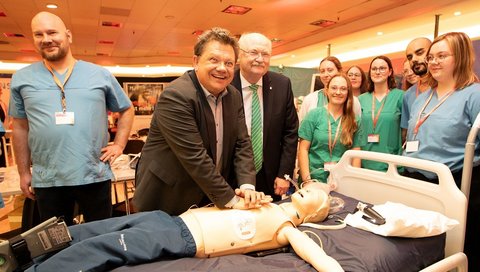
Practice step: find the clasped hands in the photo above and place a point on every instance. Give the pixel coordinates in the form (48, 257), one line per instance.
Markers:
(250, 199)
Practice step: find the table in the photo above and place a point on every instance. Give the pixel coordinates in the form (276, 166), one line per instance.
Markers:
(121, 171)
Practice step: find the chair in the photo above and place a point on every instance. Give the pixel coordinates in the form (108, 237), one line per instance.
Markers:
(8, 148)
(143, 132)
(134, 146)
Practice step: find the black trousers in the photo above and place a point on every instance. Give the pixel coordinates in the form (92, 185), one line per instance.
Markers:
(472, 235)
(94, 201)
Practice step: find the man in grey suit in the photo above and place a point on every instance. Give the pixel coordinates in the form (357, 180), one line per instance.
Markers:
(198, 148)
(279, 120)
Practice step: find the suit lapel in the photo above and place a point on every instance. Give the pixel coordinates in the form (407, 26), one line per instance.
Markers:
(229, 121)
(268, 96)
(205, 121)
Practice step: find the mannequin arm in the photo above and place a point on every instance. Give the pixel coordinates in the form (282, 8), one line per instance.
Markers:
(308, 250)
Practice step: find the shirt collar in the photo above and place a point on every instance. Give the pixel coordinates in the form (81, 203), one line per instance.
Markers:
(245, 83)
(207, 93)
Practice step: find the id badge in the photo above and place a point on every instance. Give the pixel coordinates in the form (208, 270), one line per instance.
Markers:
(373, 138)
(412, 146)
(64, 118)
(327, 166)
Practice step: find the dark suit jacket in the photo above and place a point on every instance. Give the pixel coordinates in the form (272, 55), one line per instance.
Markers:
(177, 166)
(280, 127)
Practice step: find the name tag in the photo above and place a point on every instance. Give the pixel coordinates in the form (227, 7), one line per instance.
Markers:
(64, 118)
(373, 138)
(327, 166)
(412, 146)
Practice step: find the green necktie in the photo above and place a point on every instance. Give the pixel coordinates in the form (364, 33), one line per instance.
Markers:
(257, 131)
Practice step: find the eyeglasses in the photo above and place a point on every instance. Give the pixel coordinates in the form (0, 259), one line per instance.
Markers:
(335, 89)
(354, 75)
(382, 69)
(256, 54)
(439, 58)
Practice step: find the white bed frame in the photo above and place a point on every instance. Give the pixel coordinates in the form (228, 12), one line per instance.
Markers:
(379, 187)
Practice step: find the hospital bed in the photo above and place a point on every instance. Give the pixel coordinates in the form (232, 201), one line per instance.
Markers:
(358, 250)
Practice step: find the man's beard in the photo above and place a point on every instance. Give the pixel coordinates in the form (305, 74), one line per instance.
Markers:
(420, 68)
(60, 54)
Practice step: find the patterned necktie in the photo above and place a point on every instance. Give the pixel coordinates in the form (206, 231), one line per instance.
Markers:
(257, 131)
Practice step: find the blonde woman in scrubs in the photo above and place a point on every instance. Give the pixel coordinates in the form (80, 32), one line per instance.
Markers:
(329, 67)
(328, 131)
(381, 112)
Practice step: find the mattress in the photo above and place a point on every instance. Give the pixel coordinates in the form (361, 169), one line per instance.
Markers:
(355, 250)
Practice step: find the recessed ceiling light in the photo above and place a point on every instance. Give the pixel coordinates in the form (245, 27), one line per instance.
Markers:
(276, 40)
(379, 33)
(457, 13)
(111, 24)
(52, 6)
(323, 23)
(105, 42)
(13, 35)
(239, 10)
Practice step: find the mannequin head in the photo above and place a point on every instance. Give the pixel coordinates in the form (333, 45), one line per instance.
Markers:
(311, 203)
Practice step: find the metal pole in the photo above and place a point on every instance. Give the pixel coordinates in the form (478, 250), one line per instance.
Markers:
(437, 20)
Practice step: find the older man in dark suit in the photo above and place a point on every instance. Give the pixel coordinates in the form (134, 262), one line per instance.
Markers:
(198, 148)
(274, 128)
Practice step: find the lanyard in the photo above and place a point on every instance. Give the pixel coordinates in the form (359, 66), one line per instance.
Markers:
(60, 84)
(331, 145)
(376, 116)
(420, 121)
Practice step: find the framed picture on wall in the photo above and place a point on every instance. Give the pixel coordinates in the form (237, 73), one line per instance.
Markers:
(316, 83)
(143, 95)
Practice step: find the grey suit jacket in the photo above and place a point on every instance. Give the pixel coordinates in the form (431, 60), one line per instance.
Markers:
(280, 127)
(177, 166)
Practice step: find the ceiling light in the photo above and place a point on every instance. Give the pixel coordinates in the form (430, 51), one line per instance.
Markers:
(379, 33)
(457, 13)
(323, 23)
(276, 40)
(13, 35)
(111, 24)
(238, 10)
(105, 42)
(52, 6)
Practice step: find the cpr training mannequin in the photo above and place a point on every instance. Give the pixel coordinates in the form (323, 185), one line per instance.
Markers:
(201, 232)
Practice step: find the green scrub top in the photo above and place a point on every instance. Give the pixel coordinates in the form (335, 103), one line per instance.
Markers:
(388, 126)
(322, 99)
(314, 129)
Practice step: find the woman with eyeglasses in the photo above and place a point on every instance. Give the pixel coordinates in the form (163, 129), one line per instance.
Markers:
(441, 119)
(329, 67)
(358, 79)
(328, 131)
(381, 111)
